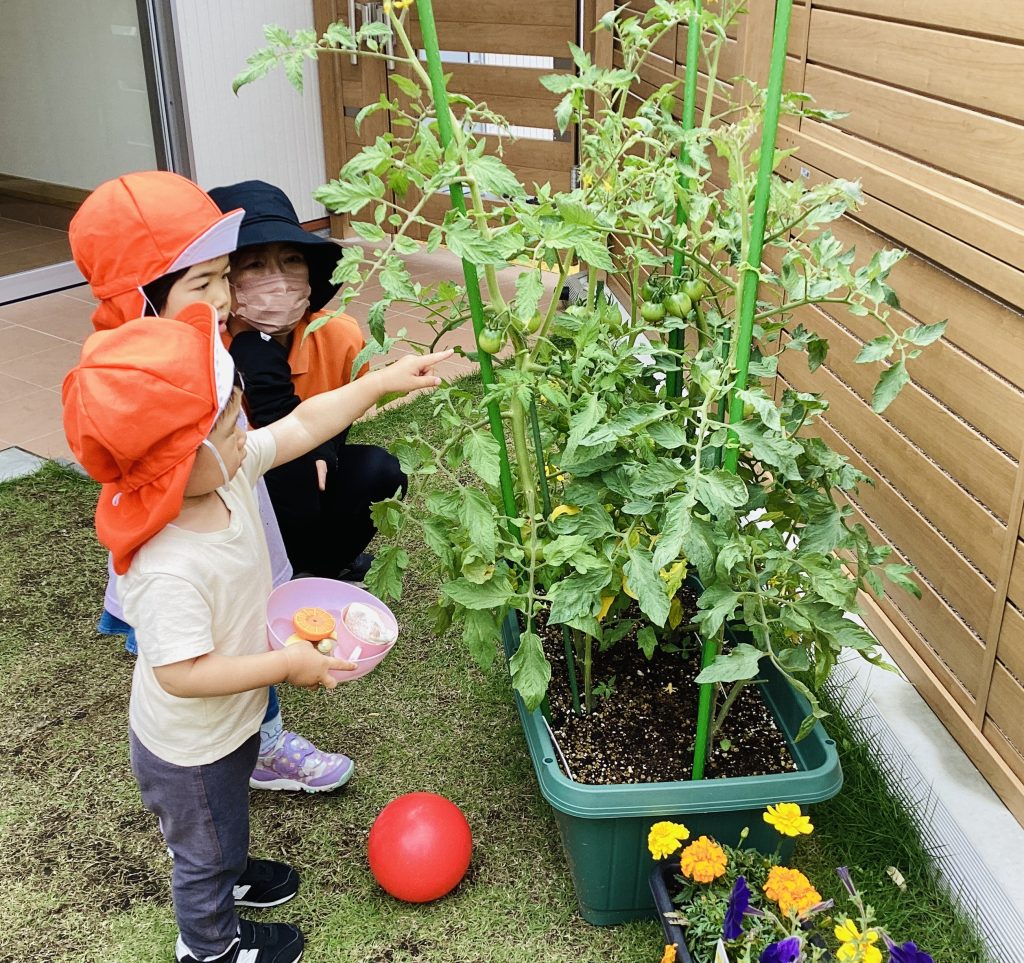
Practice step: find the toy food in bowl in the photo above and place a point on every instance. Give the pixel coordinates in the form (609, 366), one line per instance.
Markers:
(312, 611)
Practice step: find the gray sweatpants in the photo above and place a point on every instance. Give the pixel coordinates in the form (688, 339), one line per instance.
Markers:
(204, 816)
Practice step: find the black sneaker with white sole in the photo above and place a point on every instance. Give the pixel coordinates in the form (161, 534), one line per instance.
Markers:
(266, 883)
(255, 943)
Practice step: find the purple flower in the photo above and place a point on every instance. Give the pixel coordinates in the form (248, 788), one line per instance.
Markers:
(739, 900)
(844, 875)
(908, 953)
(785, 951)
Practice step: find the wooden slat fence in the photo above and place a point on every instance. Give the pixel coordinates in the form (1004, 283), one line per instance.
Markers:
(935, 134)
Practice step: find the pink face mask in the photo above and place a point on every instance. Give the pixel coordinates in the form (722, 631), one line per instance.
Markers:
(273, 304)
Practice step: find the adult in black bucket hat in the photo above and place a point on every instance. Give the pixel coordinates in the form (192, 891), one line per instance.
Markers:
(271, 218)
(281, 281)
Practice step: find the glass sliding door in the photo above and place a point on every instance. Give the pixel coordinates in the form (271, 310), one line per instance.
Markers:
(82, 99)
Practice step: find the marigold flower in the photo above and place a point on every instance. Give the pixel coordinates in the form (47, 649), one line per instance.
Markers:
(669, 956)
(857, 947)
(791, 890)
(665, 838)
(703, 860)
(788, 820)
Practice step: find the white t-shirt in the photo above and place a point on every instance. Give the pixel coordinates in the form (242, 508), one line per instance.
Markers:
(188, 593)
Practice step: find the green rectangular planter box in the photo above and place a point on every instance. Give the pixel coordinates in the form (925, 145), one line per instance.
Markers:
(604, 828)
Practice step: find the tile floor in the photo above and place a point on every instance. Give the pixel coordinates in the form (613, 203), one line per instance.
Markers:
(40, 340)
(24, 246)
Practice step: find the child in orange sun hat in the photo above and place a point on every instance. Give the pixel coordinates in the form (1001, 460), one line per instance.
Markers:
(151, 243)
(151, 412)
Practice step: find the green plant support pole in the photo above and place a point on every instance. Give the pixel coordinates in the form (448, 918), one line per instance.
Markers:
(476, 306)
(748, 303)
(674, 385)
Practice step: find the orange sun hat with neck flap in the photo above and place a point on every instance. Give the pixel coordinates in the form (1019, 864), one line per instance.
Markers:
(139, 404)
(136, 228)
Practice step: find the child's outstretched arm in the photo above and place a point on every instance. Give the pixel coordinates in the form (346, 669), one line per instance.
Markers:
(324, 415)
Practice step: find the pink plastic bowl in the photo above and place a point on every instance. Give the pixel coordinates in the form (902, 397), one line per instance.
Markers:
(334, 597)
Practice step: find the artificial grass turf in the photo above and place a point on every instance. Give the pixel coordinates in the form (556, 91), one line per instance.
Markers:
(82, 867)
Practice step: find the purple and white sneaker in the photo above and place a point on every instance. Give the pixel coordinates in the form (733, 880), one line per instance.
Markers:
(297, 764)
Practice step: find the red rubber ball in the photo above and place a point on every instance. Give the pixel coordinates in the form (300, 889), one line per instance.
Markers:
(419, 847)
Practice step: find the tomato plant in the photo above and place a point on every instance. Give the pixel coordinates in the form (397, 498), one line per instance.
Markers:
(617, 486)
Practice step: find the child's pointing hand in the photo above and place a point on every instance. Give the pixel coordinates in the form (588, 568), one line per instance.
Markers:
(413, 371)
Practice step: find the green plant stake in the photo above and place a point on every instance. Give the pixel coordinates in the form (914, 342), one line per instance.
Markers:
(476, 307)
(748, 302)
(674, 385)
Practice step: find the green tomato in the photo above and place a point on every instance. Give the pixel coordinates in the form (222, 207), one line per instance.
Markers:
(695, 289)
(490, 341)
(533, 325)
(678, 304)
(748, 411)
(652, 311)
(649, 290)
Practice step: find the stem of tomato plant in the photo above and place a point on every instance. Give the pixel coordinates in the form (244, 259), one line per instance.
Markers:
(435, 74)
(545, 498)
(720, 716)
(706, 705)
(674, 382)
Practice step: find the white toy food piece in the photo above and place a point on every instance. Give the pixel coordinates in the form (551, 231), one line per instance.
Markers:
(369, 624)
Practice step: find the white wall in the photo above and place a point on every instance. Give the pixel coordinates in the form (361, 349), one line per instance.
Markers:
(73, 102)
(269, 131)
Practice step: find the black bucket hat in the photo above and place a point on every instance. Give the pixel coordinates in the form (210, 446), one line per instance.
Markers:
(270, 217)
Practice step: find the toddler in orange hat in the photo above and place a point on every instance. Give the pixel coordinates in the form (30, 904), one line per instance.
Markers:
(151, 412)
(151, 243)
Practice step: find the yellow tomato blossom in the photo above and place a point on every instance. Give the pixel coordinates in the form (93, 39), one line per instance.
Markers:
(606, 604)
(563, 510)
(665, 838)
(788, 820)
(669, 956)
(703, 860)
(791, 890)
(857, 947)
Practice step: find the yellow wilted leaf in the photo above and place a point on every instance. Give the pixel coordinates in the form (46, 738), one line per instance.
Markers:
(627, 589)
(675, 613)
(563, 510)
(606, 604)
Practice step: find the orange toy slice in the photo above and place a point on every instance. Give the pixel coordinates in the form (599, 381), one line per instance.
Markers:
(313, 624)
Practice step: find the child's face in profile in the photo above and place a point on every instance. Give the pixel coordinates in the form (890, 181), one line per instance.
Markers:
(228, 437)
(206, 282)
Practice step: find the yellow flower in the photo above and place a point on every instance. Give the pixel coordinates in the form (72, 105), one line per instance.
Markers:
(791, 890)
(669, 956)
(703, 860)
(788, 820)
(563, 510)
(606, 604)
(857, 947)
(665, 838)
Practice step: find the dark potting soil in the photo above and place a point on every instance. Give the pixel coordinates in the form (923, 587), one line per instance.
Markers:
(643, 729)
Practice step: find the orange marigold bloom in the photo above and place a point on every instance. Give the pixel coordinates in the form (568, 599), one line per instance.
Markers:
(791, 890)
(669, 956)
(703, 860)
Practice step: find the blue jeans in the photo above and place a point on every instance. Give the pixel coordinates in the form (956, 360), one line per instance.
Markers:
(112, 625)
